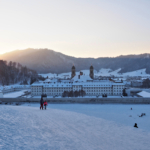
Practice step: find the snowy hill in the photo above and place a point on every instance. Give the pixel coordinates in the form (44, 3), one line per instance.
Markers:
(109, 72)
(74, 127)
(102, 72)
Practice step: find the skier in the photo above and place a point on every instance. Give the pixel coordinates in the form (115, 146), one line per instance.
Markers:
(41, 102)
(45, 104)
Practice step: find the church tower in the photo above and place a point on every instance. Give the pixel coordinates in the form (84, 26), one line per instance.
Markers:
(73, 71)
(92, 72)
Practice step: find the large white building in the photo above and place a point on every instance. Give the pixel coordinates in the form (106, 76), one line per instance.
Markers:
(92, 87)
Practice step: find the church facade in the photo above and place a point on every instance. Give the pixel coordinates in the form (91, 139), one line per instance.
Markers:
(91, 86)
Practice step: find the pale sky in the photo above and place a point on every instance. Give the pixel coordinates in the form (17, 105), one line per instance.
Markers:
(80, 28)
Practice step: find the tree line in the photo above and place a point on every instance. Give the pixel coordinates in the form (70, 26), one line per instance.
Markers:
(146, 83)
(74, 93)
(12, 72)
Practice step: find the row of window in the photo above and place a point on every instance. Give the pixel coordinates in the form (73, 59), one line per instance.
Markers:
(108, 92)
(86, 94)
(74, 90)
(79, 88)
(87, 85)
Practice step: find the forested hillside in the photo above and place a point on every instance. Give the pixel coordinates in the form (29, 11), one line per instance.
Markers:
(12, 72)
(49, 61)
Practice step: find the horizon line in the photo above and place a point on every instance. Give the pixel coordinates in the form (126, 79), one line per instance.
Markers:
(71, 55)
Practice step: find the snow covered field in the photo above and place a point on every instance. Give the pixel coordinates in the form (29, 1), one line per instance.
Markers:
(14, 94)
(7, 87)
(74, 127)
(102, 72)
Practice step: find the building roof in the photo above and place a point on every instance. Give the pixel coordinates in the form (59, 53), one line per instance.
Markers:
(81, 78)
(144, 94)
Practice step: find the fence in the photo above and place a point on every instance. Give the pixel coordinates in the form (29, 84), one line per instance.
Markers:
(83, 100)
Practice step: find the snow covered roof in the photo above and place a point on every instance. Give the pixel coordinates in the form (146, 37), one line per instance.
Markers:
(47, 80)
(81, 78)
(51, 80)
(37, 83)
(144, 94)
(70, 83)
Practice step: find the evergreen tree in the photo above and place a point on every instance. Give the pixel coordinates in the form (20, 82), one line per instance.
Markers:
(146, 83)
(70, 94)
(83, 93)
(13, 72)
(124, 92)
(76, 93)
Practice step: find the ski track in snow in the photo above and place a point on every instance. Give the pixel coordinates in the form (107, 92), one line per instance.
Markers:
(24, 127)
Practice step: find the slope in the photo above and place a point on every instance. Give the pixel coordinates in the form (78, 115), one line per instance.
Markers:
(30, 128)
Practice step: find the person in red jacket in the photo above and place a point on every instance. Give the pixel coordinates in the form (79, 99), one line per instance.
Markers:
(45, 104)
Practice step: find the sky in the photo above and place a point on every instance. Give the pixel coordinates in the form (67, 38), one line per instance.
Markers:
(80, 28)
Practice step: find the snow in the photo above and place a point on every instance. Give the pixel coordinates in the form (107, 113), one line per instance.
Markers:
(144, 94)
(108, 72)
(14, 94)
(70, 83)
(102, 72)
(14, 86)
(50, 75)
(1, 94)
(141, 72)
(81, 78)
(74, 126)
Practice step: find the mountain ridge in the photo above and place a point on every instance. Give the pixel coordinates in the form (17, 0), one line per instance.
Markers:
(46, 60)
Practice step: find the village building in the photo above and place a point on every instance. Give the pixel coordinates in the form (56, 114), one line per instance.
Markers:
(77, 82)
